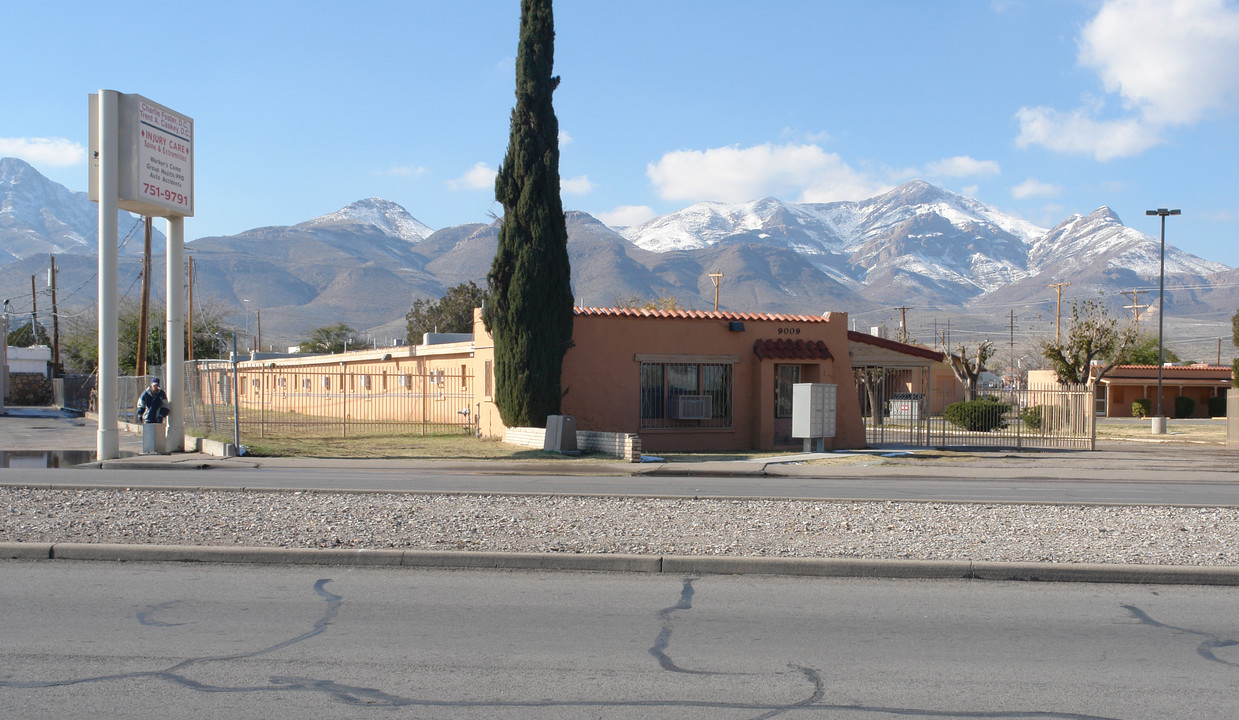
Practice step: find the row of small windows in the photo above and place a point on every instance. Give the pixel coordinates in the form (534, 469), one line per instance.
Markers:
(438, 378)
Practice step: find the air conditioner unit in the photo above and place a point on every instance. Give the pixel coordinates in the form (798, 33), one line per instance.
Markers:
(691, 407)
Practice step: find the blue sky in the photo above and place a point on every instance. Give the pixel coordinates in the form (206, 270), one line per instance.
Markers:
(1040, 108)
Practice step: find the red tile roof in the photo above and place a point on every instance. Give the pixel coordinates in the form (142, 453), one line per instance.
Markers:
(1215, 373)
(905, 348)
(783, 349)
(702, 314)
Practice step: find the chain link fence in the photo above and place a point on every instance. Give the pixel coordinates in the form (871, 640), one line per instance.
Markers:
(285, 402)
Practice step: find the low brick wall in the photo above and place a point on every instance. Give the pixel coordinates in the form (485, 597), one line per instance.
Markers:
(626, 446)
(525, 437)
(29, 389)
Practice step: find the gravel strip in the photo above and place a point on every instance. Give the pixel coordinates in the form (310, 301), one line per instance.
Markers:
(1143, 535)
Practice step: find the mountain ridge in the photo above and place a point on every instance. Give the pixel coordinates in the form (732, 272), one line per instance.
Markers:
(365, 264)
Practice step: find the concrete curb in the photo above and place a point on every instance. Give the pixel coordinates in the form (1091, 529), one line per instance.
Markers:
(665, 564)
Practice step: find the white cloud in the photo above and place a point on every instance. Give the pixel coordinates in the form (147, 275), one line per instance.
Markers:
(579, 185)
(963, 166)
(1080, 132)
(1035, 188)
(46, 152)
(480, 177)
(564, 138)
(1173, 61)
(404, 171)
(800, 173)
(627, 215)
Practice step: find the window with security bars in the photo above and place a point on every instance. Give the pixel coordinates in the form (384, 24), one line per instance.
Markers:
(686, 395)
(785, 376)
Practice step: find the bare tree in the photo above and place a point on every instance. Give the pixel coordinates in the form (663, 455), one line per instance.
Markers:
(968, 371)
(1093, 346)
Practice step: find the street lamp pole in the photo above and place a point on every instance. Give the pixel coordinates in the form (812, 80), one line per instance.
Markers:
(1159, 424)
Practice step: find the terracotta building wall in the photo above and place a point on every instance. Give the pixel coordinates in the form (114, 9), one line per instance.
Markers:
(601, 376)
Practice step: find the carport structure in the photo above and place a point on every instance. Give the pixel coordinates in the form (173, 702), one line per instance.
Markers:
(893, 383)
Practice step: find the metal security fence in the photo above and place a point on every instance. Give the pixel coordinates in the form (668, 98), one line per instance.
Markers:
(275, 402)
(1026, 418)
(894, 412)
(74, 391)
(900, 407)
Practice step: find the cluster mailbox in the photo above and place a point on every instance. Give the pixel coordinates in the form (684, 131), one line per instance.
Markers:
(813, 413)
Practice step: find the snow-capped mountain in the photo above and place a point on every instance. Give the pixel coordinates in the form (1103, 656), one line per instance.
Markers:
(919, 242)
(1100, 239)
(385, 215)
(38, 217)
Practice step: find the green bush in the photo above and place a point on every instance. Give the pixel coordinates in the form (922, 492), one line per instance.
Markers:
(1217, 406)
(1044, 417)
(1234, 372)
(977, 415)
(1184, 407)
(1141, 408)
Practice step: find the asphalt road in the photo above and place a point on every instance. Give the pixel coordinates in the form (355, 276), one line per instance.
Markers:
(1023, 488)
(190, 641)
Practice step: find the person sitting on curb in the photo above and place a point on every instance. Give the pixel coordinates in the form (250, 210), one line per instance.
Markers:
(152, 406)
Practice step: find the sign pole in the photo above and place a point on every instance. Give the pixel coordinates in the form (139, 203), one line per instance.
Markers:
(108, 439)
(174, 365)
(142, 161)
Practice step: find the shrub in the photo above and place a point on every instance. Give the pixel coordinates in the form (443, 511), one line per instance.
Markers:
(1044, 417)
(1184, 407)
(1141, 408)
(1217, 406)
(977, 415)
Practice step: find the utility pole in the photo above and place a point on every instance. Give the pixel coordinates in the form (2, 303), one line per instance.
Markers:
(258, 338)
(140, 364)
(716, 277)
(51, 280)
(1011, 365)
(903, 323)
(34, 313)
(1058, 312)
(1135, 306)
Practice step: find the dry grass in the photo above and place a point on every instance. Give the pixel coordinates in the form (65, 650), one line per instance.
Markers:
(454, 446)
(1212, 432)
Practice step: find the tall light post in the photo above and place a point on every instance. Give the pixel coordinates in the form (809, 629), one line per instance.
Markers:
(1159, 422)
(245, 304)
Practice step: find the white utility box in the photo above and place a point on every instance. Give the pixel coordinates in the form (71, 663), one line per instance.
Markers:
(813, 413)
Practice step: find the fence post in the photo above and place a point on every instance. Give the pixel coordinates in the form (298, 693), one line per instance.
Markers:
(343, 401)
(1092, 416)
(1018, 400)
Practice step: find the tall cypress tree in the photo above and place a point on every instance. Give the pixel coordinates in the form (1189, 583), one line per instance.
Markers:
(530, 308)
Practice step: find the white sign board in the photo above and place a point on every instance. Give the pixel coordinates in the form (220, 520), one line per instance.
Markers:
(156, 163)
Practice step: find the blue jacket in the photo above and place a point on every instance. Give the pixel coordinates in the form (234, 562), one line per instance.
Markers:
(152, 406)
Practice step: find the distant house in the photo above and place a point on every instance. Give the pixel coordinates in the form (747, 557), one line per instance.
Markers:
(1125, 384)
